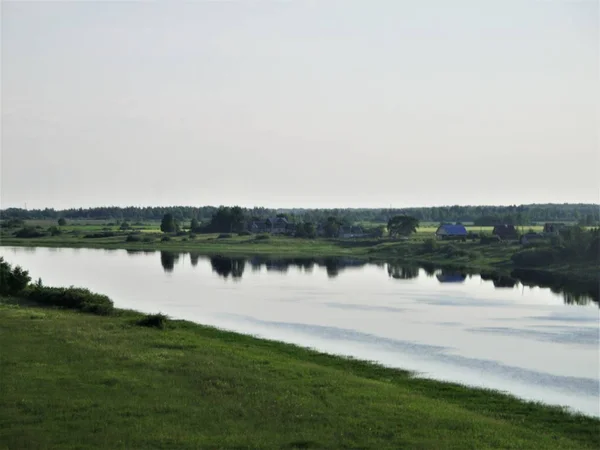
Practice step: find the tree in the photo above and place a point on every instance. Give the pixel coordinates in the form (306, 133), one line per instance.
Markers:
(332, 227)
(168, 224)
(194, 225)
(402, 225)
(12, 281)
(62, 222)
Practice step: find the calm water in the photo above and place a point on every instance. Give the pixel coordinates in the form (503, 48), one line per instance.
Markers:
(528, 341)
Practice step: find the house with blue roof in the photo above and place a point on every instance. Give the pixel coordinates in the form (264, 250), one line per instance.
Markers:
(449, 231)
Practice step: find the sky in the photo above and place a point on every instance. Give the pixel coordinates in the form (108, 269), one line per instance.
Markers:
(299, 103)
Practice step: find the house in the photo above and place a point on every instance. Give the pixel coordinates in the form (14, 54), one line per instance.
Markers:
(277, 225)
(449, 231)
(553, 228)
(257, 226)
(505, 232)
(350, 232)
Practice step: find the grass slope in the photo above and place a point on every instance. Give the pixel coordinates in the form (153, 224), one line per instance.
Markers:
(70, 380)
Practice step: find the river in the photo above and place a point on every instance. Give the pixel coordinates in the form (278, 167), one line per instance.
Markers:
(494, 333)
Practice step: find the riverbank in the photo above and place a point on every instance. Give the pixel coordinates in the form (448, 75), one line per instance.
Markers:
(111, 383)
(496, 258)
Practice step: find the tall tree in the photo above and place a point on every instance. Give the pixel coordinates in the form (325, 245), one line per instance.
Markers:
(402, 225)
(168, 224)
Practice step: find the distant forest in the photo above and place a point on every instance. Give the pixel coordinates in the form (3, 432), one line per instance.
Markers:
(585, 214)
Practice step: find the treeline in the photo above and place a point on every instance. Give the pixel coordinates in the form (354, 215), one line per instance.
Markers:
(585, 214)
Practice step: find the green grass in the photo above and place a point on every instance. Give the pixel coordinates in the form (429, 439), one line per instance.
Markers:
(70, 380)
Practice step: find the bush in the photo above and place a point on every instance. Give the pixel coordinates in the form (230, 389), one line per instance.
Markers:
(262, 237)
(13, 223)
(12, 281)
(72, 298)
(224, 236)
(537, 256)
(165, 238)
(490, 239)
(100, 234)
(154, 321)
(54, 231)
(133, 238)
(192, 236)
(244, 233)
(125, 226)
(429, 245)
(147, 239)
(29, 232)
(182, 233)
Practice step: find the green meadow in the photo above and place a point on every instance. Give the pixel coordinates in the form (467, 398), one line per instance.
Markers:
(71, 380)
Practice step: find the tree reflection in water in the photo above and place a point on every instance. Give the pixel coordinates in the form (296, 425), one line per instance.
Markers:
(401, 272)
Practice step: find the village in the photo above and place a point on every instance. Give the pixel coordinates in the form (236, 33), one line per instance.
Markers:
(458, 231)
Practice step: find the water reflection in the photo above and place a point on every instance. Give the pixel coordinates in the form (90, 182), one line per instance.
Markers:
(401, 272)
(194, 257)
(227, 267)
(451, 276)
(168, 260)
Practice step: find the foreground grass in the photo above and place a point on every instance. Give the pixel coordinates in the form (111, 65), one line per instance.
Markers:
(70, 380)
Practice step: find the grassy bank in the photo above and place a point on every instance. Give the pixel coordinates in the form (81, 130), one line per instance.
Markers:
(74, 380)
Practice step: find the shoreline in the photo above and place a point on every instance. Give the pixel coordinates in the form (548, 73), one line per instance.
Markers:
(579, 279)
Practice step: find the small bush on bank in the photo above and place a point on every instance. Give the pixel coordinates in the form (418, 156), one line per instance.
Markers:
(244, 233)
(224, 236)
(29, 232)
(71, 298)
(533, 257)
(262, 237)
(54, 231)
(429, 245)
(165, 238)
(12, 280)
(100, 234)
(154, 321)
(490, 239)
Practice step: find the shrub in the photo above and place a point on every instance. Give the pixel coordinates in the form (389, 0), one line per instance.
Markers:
(12, 281)
(133, 238)
(224, 236)
(429, 245)
(13, 223)
(262, 237)
(29, 232)
(532, 257)
(165, 238)
(54, 231)
(244, 233)
(100, 234)
(72, 298)
(182, 233)
(154, 321)
(192, 236)
(147, 239)
(62, 222)
(490, 239)
(125, 226)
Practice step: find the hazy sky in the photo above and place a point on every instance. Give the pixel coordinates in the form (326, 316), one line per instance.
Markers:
(299, 103)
